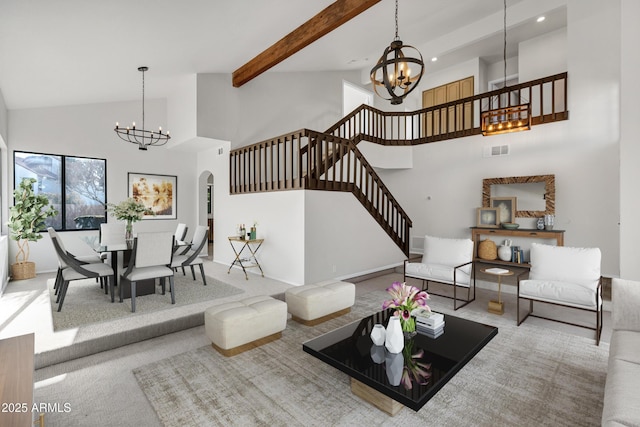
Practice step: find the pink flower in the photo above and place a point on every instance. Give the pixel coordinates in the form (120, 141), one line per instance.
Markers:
(405, 298)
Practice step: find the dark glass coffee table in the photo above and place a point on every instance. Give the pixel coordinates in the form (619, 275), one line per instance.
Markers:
(375, 373)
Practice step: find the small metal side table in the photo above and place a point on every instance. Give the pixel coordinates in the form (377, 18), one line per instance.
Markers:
(497, 307)
(248, 262)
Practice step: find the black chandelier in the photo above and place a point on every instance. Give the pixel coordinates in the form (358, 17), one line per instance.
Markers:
(143, 138)
(393, 70)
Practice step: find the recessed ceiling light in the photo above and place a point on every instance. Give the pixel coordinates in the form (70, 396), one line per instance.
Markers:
(434, 59)
(540, 19)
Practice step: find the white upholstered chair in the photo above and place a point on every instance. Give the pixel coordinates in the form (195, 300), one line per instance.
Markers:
(192, 256)
(563, 276)
(71, 268)
(150, 259)
(448, 261)
(181, 231)
(112, 233)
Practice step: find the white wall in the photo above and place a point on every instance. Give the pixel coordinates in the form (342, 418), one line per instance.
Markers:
(279, 215)
(3, 118)
(629, 140)
(87, 130)
(342, 239)
(271, 105)
(182, 109)
(537, 60)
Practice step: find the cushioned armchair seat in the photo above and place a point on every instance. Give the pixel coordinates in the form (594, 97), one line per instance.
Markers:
(437, 272)
(447, 261)
(563, 276)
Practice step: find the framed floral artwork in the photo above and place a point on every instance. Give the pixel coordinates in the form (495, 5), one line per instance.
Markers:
(157, 192)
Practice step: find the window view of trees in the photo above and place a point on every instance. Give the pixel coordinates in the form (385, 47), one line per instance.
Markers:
(75, 186)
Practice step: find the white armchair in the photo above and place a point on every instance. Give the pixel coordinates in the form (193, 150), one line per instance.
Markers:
(563, 276)
(448, 261)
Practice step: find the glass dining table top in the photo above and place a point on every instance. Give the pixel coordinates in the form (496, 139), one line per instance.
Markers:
(96, 245)
(414, 375)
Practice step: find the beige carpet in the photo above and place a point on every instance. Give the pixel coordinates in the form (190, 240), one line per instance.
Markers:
(86, 303)
(526, 376)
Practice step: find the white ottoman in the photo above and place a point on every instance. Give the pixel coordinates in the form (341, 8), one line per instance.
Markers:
(242, 325)
(319, 302)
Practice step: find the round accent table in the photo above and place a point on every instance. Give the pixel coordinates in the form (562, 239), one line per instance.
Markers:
(497, 307)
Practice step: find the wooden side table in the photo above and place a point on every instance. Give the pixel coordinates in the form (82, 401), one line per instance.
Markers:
(497, 307)
(249, 262)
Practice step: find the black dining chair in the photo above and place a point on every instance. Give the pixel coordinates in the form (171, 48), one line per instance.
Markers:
(192, 255)
(71, 268)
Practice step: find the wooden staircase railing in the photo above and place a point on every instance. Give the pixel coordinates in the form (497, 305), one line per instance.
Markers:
(330, 160)
(282, 163)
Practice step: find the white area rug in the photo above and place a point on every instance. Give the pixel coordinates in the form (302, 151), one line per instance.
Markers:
(526, 376)
(86, 303)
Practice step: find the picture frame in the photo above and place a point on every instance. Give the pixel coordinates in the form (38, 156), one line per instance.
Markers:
(487, 217)
(156, 192)
(507, 208)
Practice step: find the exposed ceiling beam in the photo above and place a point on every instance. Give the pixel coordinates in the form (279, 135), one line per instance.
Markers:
(324, 22)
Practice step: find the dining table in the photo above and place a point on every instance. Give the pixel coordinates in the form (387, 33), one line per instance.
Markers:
(120, 253)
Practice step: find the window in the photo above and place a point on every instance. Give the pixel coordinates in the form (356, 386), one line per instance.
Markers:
(75, 186)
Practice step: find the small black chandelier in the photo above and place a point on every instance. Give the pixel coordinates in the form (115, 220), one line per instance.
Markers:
(393, 70)
(143, 138)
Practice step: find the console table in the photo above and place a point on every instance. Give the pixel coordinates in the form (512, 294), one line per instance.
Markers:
(531, 233)
(250, 261)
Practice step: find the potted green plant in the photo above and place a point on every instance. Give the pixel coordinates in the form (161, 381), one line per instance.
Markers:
(26, 222)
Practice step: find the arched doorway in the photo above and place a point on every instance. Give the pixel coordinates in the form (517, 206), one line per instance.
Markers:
(205, 206)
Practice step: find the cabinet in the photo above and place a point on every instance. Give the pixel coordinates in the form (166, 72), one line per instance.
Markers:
(16, 380)
(453, 118)
(501, 233)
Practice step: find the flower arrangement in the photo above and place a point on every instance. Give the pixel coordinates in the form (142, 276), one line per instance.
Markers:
(406, 298)
(129, 210)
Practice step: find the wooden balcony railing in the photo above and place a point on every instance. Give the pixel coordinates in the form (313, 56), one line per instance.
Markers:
(547, 97)
(282, 163)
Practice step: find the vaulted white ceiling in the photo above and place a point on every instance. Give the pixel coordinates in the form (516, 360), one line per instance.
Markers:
(87, 51)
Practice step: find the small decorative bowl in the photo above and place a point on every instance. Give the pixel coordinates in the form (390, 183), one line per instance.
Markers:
(510, 225)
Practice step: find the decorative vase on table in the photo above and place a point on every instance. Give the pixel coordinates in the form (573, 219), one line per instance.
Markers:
(504, 251)
(378, 334)
(487, 249)
(128, 231)
(394, 338)
(408, 325)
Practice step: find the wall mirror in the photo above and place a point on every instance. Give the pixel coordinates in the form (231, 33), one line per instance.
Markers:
(536, 195)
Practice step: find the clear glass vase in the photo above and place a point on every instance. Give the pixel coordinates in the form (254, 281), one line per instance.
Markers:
(128, 231)
(408, 327)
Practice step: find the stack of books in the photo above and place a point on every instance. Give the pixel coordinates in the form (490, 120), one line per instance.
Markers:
(429, 323)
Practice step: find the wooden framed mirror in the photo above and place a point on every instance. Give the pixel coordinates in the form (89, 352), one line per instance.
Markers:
(536, 194)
